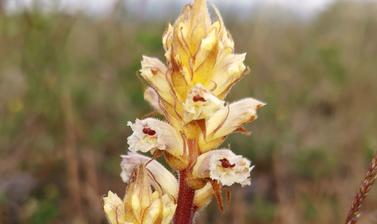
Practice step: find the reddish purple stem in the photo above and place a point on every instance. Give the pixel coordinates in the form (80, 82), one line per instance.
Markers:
(185, 209)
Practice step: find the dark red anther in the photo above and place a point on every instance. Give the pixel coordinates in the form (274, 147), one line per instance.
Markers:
(149, 131)
(198, 98)
(226, 164)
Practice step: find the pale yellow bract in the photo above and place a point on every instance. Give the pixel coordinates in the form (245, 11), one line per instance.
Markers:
(141, 204)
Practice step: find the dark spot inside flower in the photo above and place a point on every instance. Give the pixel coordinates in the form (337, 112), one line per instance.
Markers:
(149, 131)
(226, 164)
(198, 98)
(154, 71)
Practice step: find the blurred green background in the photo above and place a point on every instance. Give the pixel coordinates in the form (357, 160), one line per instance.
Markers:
(68, 85)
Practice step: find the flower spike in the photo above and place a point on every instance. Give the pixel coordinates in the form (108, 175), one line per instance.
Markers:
(189, 90)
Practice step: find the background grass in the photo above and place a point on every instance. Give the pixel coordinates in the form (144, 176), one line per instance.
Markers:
(68, 86)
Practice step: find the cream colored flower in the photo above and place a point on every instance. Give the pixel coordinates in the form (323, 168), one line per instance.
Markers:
(152, 134)
(154, 72)
(223, 166)
(200, 104)
(231, 118)
(159, 177)
(142, 203)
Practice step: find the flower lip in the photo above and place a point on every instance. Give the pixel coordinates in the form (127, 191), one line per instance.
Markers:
(151, 134)
(144, 138)
(230, 168)
(224, 166)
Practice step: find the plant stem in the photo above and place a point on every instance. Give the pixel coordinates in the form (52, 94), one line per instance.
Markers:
(185, 209)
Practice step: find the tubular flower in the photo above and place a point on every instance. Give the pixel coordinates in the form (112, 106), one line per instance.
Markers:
(152, 134)
(142, 204)
(159, 177)
(232, 117)
(200, 104)
(228, 120)
(224, 166)
(189, 90)
(154, 72)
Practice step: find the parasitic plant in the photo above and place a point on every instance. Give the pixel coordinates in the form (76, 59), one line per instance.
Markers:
(189, 91)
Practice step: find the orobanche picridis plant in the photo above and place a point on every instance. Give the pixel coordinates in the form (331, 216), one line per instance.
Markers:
(189, 91)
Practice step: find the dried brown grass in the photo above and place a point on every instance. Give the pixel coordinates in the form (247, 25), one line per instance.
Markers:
(365, 187)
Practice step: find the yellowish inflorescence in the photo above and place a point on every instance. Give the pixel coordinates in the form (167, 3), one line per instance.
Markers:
(190, 92)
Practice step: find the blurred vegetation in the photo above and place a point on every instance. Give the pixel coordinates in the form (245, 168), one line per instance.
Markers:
(68, 85)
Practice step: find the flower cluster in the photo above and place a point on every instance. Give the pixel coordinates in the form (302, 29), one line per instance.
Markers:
(189, 91)
(142, 202)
